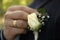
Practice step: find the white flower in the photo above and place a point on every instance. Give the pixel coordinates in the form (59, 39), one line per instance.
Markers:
(33, 22)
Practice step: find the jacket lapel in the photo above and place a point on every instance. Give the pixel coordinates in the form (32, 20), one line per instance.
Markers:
(38, 3)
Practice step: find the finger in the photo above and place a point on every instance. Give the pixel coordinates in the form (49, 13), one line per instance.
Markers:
(23, 8)
(19, 23)
(16, 15)
(14, 31)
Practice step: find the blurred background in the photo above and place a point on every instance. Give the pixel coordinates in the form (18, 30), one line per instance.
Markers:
(4, 4)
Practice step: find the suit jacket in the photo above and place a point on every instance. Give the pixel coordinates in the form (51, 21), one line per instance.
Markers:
(51, 29)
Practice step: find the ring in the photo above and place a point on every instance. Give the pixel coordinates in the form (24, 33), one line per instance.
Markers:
(14, 23)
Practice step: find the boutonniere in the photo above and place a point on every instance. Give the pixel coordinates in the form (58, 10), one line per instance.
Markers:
(35, 22)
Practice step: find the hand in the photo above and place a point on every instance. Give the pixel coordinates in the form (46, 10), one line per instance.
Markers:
(18, 13)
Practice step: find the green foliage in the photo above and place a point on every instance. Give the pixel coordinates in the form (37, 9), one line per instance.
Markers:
(0, 7)
(42, 10)
(6, 3)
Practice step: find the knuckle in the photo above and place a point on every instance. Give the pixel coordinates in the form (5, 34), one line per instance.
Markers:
(9, 7)
(6, 15)
(21, 24)
(7, 22)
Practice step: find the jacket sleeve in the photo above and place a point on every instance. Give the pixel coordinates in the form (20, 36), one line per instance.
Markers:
(1, 35)
(3, 38)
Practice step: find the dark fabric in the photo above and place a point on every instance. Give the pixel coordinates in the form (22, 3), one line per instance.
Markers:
(0, 35)
(51, 29)
(38, 3)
